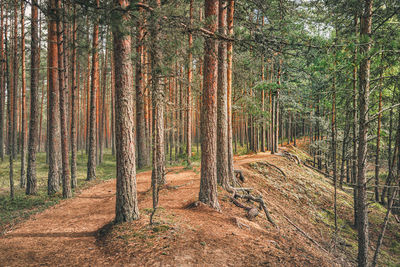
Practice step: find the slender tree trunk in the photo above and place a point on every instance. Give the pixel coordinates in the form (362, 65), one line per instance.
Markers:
(23, 121)
(378, 139)
(158, 95)
(364, 76)
(126, 203)
(222, 116)
(333, 136)
(189, 92)
(2, 82)
(94, 86)
(66, 178)
(10, 116)
(74, 96)
(208, 181)
(229, 61)
(143, 153)
(354, 156)
(53, 122)
(31, 185)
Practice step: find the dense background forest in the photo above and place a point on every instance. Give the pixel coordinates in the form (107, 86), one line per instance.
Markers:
(87, 85)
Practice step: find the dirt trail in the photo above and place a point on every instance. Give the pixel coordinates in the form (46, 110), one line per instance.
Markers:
(66, 233)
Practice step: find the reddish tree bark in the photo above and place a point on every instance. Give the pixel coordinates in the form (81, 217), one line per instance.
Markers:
(208, 181)
(126, 203)
(53, 122)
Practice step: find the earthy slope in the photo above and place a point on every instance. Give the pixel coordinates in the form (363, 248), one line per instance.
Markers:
(77, 231)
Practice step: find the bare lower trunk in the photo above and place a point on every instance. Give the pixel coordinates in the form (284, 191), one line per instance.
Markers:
(208, 181)
(126, 202)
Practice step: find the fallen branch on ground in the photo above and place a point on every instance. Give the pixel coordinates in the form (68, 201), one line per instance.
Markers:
(276, 167)
(305, 234)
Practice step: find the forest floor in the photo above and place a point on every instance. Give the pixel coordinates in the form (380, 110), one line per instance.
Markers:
(79, 231)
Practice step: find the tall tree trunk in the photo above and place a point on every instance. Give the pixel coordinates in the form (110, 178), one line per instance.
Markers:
(364, 85)
(31, 185)
(354, 156)
(9, 115)
(53, 122)
(142, 151)
(158, 95)
(333, 136)
(378, 138)
(208, 181)
(94, 86)
(2, 82)
(222, 116)
(66, 177)
(126, 203)
(74, 98)
(229, 62)
(23, 121)
(189, 92)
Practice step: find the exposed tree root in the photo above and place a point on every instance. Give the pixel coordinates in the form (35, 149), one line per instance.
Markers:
(252, 212)
(239, 175)
(291, 157)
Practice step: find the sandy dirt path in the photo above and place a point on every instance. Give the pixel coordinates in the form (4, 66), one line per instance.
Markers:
(66, 233)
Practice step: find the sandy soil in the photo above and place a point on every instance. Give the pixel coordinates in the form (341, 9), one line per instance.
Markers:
(67, 234)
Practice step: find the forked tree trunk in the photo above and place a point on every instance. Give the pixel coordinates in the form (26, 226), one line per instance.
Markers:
(208, 181)
(126, 203)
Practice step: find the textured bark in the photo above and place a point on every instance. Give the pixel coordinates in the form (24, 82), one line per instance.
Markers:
(142, 151)
(189, 92)
(378, 140)
(23, 115)
(229, 48)
(363, 100)
(66, 177)
(74, 95)
(15, 82)
(103, 102)
(9, 116)
(2, 82)
(158, 174)
(53, 121)
(126, 203)
(333, 140)
(31, 185)
(208, 181)
(222, 112)
(94, 86)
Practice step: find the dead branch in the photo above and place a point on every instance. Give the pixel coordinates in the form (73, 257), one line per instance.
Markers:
(276, 167)
(305, 234)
